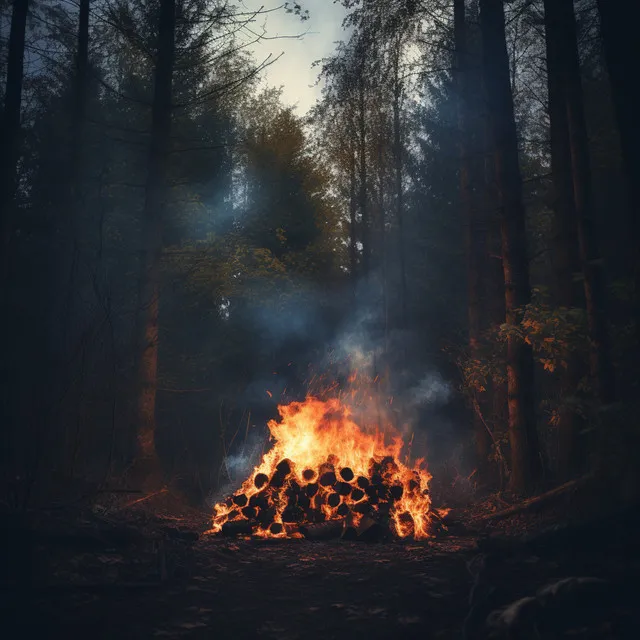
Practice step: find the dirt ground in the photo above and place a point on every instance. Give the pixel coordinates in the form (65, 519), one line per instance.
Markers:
(157, 576)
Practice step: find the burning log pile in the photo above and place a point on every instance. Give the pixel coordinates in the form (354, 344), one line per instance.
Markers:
(326, 477)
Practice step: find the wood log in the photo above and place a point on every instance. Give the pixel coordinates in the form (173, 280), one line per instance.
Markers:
(357, 494)
(323, 531)
(259, 501)
(343, 488)
(309, 474)
(240, 500)
(316, 516)
(276, 528)
(277, 480)
(266, 516)
(540, 500)
(260, 480)
(373, 532)
(388, 465)
(346, 474)
(327, 479)
(284, 467)
(292, 514)
(311, 489)
(343, 510)
(396, 491)
(353, 532)
(363, 482)
(249, 512)
(237, 528)
(333, 500)
(363, 507)
(294, 488)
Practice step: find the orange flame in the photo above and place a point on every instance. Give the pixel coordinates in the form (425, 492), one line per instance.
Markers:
(323, 466)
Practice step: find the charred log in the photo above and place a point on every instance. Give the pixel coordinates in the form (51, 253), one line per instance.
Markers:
(323, 531)
(237, 528)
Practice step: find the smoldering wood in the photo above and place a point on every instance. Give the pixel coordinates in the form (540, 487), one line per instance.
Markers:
(249, 512)
(308, 474)
(292, 515)
(362, 482)
(363, 507)
(333, 500)
(353, 532)
(276, 528)
(357, 494)
(327, 479)
(343, 488)
(346, 474)
(343, 510)
(277, 480)
(237, 528)
(284, 467)
(240, 500)
(260, 480)
(266, 516)
(323, 530)
(259, 500)
(311, 489)
(396, 491)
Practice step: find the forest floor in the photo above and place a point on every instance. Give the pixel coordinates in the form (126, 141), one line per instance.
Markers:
(148, 571)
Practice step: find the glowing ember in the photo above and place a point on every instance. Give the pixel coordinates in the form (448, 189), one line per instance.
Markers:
(324, 467)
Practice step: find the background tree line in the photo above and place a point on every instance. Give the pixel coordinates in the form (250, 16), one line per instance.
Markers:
(176, 241)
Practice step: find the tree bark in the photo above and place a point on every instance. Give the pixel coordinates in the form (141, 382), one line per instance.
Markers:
(10, 133)
(601, 365)
(364, 211)
(397, 154)
(622, 54)
(154, 206)
(353, 209)
(473, 249)
(523, 437)
(566, 255)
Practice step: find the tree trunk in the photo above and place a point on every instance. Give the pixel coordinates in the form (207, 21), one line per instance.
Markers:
(10, 133)
(364, 212)
(397, 155)
(566, 255)
(155, 202)
(601, 365)
(523, 437)
(473, 249)
(622, 53)
(9, 155)
(353, 209)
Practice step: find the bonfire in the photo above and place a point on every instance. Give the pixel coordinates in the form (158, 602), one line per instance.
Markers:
(324, 470)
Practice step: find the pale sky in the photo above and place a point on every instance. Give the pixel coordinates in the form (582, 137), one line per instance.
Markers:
(293, 70)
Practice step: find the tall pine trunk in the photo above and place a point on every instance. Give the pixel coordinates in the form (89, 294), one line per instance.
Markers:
(9, 154)
(622, 56)
(398, 168)
(362, 169)
(353, 210)
(10, 131)
(523, 437)
(472, 239)
(601, 365)
(566, 256)
(154, 208)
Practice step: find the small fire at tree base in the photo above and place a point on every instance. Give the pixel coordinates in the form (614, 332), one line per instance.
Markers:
(326, 477)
